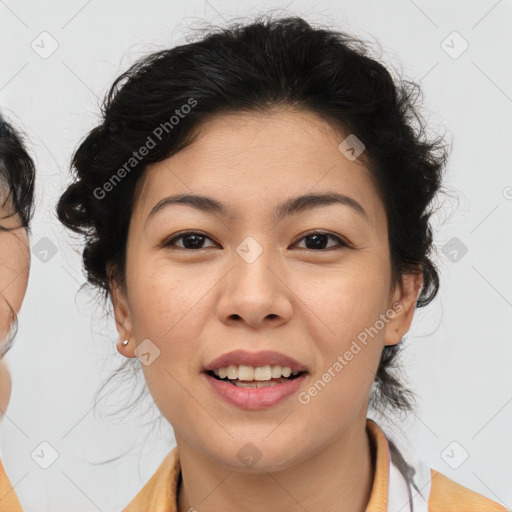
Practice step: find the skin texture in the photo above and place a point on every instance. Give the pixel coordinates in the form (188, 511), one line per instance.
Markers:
(14, 271)
(308, 303)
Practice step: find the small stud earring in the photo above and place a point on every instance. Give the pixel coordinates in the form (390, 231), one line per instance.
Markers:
(124, 343)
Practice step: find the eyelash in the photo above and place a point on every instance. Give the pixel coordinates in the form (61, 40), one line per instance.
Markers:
(342, 242)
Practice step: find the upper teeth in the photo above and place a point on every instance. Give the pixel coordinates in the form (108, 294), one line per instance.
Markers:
(243, 372)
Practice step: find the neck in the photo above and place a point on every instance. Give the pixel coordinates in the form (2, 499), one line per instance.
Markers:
(339, 476)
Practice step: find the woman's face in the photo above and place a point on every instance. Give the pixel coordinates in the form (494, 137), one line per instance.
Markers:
(14, 270)
(259, 281)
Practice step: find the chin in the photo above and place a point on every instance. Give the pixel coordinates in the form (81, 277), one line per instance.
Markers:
(256, 455)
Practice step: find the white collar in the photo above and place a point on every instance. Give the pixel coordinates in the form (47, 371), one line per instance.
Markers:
(400, 498)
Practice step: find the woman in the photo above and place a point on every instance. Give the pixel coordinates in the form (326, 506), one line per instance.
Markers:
(256, 205)
(16, 208)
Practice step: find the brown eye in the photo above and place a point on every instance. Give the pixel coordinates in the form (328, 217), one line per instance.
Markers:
(194, 240)
(318, 240)
(191, 240)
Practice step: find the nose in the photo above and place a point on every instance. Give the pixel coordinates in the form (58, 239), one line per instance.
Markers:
(255, 292)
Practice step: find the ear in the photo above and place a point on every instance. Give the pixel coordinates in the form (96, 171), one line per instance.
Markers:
(123, 319)
(403, 304)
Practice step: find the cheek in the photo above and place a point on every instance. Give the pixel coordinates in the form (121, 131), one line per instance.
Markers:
(167, 306)
(170, 309)
(343, 313)
(347, 299)
(14, 269)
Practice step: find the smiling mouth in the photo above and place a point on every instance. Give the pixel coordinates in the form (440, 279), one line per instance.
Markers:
(255, 383)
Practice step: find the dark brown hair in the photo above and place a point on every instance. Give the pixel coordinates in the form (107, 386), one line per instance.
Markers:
(257, 67)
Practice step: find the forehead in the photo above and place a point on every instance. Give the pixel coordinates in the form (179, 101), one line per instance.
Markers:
(249, 160)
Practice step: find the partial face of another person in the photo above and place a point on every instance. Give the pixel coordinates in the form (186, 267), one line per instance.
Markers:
(305, 284)
(14, 271)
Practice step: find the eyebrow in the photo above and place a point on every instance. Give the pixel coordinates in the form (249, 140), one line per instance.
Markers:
(291, 206)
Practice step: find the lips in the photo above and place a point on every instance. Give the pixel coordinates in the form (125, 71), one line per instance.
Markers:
(262, 358)
(254, 398)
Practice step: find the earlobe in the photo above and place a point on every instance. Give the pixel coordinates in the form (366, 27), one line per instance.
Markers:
(122, 315)
(126, 347)
(403, 306)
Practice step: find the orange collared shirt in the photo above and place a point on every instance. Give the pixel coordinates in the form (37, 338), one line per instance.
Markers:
(8, 499)
(443, 495)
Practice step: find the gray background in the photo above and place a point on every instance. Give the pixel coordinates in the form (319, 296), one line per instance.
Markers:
(459, 350)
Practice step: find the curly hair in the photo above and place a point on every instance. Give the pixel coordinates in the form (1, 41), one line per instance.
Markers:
(17, 175)
(260, 66)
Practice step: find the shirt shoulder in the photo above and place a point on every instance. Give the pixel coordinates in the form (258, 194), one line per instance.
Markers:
(8, 500)
(446, 495)
(159, 494)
